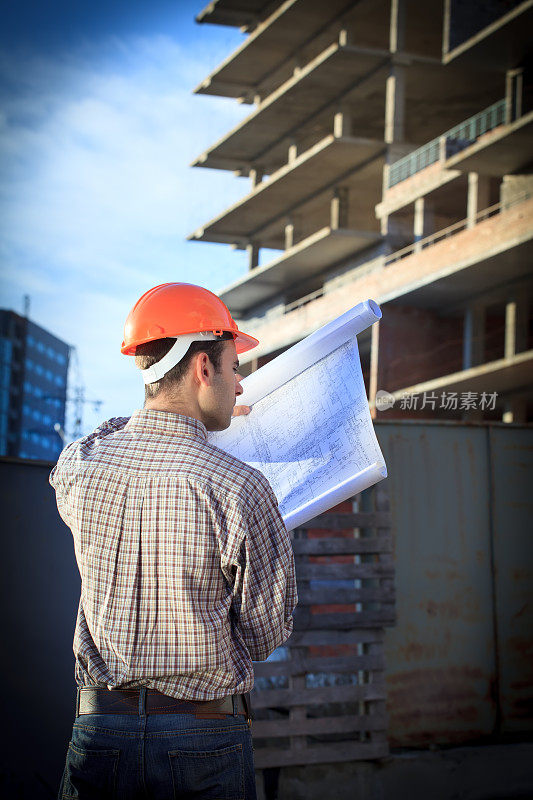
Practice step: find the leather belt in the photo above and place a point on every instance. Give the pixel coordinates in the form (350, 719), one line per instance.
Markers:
(128, 701)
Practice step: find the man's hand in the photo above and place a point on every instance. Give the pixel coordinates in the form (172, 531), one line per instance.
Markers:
(241, 411)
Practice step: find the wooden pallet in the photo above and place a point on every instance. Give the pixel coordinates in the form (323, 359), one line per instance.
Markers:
(323, 700)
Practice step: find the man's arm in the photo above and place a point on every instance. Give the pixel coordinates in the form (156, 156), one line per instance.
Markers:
(69, 461)
(265, 584)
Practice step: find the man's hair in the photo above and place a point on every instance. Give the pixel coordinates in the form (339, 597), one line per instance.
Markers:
(151, 352)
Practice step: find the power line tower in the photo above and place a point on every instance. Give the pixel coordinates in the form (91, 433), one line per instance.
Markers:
(78, 398)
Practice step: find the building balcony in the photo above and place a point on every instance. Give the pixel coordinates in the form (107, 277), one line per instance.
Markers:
(489, 143)
(352, 80)
(261, 216)
(235, 13)
(292, 35)
(305, 104)
(298, 264)
(456, 139)
(507, 149)
(445, 270)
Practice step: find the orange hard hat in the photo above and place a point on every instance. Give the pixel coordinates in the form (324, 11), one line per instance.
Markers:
(175, 309)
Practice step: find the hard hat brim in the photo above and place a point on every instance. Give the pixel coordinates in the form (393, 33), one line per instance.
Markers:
(244, 342)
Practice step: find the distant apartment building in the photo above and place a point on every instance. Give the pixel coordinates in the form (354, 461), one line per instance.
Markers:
(389, 150)
(33, 388)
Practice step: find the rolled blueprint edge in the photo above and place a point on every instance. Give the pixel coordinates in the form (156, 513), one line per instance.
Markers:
(356, 483)
(309, 350)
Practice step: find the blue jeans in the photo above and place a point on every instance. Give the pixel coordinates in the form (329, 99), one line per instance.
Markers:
(159, 756)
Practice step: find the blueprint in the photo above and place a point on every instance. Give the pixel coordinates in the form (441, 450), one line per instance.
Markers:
(310, 431)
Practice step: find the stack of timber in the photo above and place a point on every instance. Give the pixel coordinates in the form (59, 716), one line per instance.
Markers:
(321, 697)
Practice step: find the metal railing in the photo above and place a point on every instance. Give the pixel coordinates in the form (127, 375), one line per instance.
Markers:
(485, 213)
(449, 143)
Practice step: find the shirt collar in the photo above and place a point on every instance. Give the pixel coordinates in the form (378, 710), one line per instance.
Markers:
(152, 421)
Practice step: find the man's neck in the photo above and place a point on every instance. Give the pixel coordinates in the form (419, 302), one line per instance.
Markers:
(174, 406)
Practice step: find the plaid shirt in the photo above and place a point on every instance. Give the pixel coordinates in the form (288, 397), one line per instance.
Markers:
(187, 570)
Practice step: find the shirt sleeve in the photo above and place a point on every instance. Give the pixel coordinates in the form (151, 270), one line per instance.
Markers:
(265, 594)
(67, 465)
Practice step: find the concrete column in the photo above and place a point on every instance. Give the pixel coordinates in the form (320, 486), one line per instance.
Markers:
(473, 337)
(478, 196)
(442, 150)
(516, 324)
(292, 154)
(513, 94)
(253, 255)
(518, 91)
(342, 124)
(256, 176)
(395, 88)
(345, 37)
(422, 222)
(394, 98)
(289, 234)
(374, 363)
(339, 208)
(397, 26)
(419, 222)
(395, 105)
(297, 60)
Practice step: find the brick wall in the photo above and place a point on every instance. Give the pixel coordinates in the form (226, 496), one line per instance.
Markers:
(416, 345)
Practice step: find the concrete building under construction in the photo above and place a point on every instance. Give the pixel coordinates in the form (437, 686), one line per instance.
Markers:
(389, 153)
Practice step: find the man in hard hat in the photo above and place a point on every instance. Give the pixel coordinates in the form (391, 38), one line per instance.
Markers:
(186, 567)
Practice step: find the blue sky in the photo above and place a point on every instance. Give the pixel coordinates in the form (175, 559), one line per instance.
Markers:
(97, 129)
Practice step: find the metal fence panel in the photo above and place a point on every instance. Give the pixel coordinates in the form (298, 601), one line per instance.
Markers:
(440, 659)
(512, 515)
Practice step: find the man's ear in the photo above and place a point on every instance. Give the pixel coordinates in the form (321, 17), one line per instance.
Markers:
(203, 369)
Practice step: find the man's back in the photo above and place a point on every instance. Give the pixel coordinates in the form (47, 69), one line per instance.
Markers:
(187, 569)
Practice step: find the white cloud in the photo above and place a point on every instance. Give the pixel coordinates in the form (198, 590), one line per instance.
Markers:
(97, 196)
